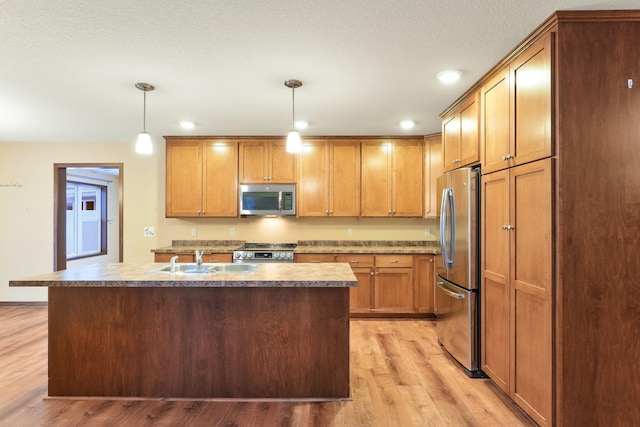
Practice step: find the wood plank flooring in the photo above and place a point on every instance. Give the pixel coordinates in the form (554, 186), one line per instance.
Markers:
(399, 377)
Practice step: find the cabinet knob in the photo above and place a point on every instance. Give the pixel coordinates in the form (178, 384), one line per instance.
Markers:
(354, 261)
(507, 157)
(508, 227)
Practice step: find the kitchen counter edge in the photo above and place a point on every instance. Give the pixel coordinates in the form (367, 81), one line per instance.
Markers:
(277, 275)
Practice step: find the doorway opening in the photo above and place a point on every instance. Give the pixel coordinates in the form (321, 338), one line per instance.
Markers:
(109, 223)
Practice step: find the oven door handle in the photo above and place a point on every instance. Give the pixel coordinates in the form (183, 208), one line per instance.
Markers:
(449, 291)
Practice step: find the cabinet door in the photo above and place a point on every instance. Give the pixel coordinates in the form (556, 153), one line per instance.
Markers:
(433, 169)
(393, 290)
(531, 95)
(531, 292)
(253, 162)
(313, 179)
(344, 174)
(450, 141)
(407, 178)
(184, 178)
(376, 178)
(424, 275)
(495, 119)
(220, 184)
(360, 297)
(494, 298)
(283, 166)
(469, 151)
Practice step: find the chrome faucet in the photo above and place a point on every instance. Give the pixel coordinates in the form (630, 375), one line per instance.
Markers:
(199, 259)
(172, 263)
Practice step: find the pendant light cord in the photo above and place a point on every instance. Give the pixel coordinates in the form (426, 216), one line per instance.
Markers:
(293, 108)
(144, 112)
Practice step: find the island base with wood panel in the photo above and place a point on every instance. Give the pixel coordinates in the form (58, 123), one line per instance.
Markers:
(202, 342)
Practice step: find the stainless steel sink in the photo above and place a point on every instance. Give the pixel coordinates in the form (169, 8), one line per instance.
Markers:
(234, 268)
(212, 268)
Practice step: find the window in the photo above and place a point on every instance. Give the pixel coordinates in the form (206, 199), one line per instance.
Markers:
(86, 220)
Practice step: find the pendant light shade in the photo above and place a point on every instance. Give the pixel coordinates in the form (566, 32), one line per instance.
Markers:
(294, 144)
(143, 143)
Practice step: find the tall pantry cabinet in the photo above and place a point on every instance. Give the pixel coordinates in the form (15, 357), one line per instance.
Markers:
(561, 220)
(516, 302)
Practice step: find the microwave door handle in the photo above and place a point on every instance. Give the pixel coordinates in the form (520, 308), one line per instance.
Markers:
(280, 201)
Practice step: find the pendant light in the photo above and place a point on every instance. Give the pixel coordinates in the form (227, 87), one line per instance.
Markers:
(294, 144)
(143, 143)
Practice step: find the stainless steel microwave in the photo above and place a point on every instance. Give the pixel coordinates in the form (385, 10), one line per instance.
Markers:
(267, 199)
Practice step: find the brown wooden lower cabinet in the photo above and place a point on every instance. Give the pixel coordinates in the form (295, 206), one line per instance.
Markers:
(424, 280)
(388, 284)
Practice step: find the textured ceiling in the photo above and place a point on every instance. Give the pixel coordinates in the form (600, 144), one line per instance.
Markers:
(69, 66)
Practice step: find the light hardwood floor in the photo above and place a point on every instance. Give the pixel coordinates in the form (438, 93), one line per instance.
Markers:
(399, 377)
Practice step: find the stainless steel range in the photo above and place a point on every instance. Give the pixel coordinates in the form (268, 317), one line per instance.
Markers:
(264, 252)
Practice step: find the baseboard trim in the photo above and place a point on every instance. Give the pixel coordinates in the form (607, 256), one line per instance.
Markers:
(23, 303)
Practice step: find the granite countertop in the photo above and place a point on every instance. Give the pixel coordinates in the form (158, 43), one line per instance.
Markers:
(136, 275)
(209, 246)
(409, 247)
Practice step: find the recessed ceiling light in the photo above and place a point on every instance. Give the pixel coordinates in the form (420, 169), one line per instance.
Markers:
(449, 76)
(187, 125)
(407, 124)
(300, 124)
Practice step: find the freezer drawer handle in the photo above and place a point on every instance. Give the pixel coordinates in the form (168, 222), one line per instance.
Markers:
(449, 292)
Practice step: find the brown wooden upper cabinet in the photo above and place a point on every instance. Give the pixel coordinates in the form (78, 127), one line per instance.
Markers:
(392, 172)
(432, 170)
(516, 110)
(202, 178)
(329, 178)
(460, 134)
(266, 161)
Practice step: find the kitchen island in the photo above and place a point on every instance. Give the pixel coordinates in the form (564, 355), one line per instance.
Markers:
(280, 332)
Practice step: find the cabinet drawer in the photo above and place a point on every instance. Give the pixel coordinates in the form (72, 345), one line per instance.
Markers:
(356, 260)
(166, 257)
(394, 261)
(314, 258)
(217, 257)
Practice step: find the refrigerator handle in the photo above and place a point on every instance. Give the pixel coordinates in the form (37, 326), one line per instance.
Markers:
(447, 207)
(449, 292)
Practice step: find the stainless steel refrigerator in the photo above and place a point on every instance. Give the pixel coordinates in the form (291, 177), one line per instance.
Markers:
(457, 300)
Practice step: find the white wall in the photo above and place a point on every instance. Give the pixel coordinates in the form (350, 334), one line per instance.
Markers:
(26, 205)
(26, 212)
